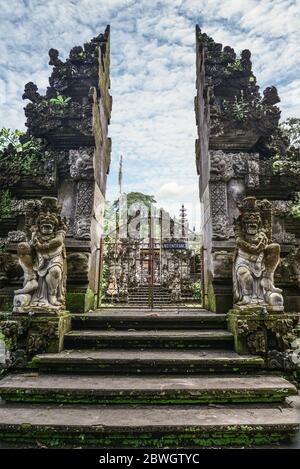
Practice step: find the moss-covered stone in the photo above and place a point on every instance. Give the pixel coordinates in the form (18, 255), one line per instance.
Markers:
(240, 435)
(220, 396)
(256, 331)
(210, 301)
(80, 302)
(75, 302)
(89, 300)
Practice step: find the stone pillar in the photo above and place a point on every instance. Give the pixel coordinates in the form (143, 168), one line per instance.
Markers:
(68, 129)
(236, 125)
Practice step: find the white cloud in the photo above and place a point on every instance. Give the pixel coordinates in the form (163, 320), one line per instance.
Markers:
(173, 189)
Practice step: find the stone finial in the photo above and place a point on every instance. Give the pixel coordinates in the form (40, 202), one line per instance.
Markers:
(54, 60)
(270, 96)
(31, 92)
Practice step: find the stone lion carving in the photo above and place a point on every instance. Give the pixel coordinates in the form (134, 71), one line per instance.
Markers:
(256, 257)
(43, 259)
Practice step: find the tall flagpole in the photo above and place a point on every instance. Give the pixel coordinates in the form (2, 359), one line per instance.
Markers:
(120, 174)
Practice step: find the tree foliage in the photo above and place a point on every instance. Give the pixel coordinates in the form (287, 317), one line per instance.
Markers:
(17, 152)
(287, 162)
(137, 198)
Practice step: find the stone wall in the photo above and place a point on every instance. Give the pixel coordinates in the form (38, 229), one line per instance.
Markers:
(233, 159)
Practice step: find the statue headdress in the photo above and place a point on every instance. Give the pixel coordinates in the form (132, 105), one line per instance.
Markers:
(256, 211)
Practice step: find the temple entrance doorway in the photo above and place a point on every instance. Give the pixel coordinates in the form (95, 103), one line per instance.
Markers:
(153, 267)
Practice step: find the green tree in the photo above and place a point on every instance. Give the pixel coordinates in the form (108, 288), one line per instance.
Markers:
(17, 151)
(135, 198)
(286, 162)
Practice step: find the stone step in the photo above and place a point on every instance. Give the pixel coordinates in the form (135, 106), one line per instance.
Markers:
(146, 426)
(146, 294)
(149, 339)
(145, 299)
(135, 318)
(145, 302)
(147, 361)
(143, 296)
(155, 389)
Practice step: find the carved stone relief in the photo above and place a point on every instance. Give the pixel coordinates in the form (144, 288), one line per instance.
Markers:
(81, 163)
(84, 209)
(227, 168)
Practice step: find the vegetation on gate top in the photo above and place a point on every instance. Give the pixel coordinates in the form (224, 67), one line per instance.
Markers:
(18, 153)
(17, 150)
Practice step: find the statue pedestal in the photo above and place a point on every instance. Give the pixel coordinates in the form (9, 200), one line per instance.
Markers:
(262, 309)
(258, 330)
(27, 333)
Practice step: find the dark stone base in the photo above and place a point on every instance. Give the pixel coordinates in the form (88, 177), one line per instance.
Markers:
(223, 297)
(257, 332)
(291, 297)
(80, 301)
(25, 334)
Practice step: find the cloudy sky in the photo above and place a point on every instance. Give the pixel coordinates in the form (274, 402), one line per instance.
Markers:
(152, 73)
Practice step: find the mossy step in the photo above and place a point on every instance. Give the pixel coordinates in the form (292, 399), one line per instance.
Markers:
(149, 339)
(145, 319)
(146, 426)
(157, 389)
(147, 361)
(143, 302)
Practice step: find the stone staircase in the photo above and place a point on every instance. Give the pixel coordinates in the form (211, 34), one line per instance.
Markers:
(133, 377)
(140, 296)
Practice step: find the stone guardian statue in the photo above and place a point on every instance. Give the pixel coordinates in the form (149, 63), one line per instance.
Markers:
(43, 259)
(256, 257)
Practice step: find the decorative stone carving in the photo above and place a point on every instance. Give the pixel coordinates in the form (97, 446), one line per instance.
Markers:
(16, 236)
(14, 333)
(221, 228)
(43, 261)
(284, 238)
(175, 288)
(257, 342)
(84, 208)
(218, 196)
(281, 207)
(82, 228)
(23, 206)
(224, 168)
(256, 257)
(288, 360)
(81, 163)
(31, 93)
(257, 332)
(39, 338)
(26, 335)
(252, 178)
